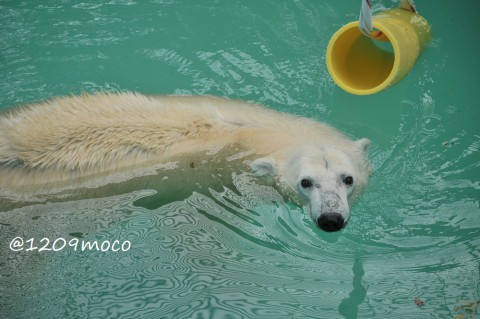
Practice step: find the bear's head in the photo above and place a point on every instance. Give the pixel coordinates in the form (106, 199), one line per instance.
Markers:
(330, 178)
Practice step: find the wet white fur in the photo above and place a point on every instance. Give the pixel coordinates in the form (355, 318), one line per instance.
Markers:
(71, 137)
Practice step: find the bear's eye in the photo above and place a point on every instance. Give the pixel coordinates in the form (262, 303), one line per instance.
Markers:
(306, 183)
(348, 180)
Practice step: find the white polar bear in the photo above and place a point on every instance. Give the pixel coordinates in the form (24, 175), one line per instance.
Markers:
(68, 138)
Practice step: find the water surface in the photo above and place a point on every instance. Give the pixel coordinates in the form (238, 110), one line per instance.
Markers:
(241, 249)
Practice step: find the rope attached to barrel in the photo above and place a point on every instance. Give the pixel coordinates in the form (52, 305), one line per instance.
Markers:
(365, 20)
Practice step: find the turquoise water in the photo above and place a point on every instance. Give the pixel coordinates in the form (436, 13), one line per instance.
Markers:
(240, 249)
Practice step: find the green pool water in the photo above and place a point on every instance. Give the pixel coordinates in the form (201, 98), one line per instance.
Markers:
(243, 250)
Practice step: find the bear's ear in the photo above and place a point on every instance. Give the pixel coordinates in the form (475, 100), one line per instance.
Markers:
(363, 145)
(264, 166)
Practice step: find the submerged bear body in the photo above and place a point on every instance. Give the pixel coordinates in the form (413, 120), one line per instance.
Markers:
(75, 138)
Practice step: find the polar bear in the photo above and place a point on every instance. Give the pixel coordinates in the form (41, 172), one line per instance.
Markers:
(70, 138)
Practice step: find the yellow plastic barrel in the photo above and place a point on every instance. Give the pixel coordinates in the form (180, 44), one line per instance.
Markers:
(360, 65)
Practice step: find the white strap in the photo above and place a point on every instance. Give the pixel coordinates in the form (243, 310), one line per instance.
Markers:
(365, 21)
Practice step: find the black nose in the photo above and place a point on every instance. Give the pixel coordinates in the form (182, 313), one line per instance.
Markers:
(330, 222)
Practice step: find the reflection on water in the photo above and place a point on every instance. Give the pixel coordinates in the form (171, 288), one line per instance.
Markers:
(349, 306)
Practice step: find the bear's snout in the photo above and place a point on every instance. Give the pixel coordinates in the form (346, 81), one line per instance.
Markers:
(330, 222)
